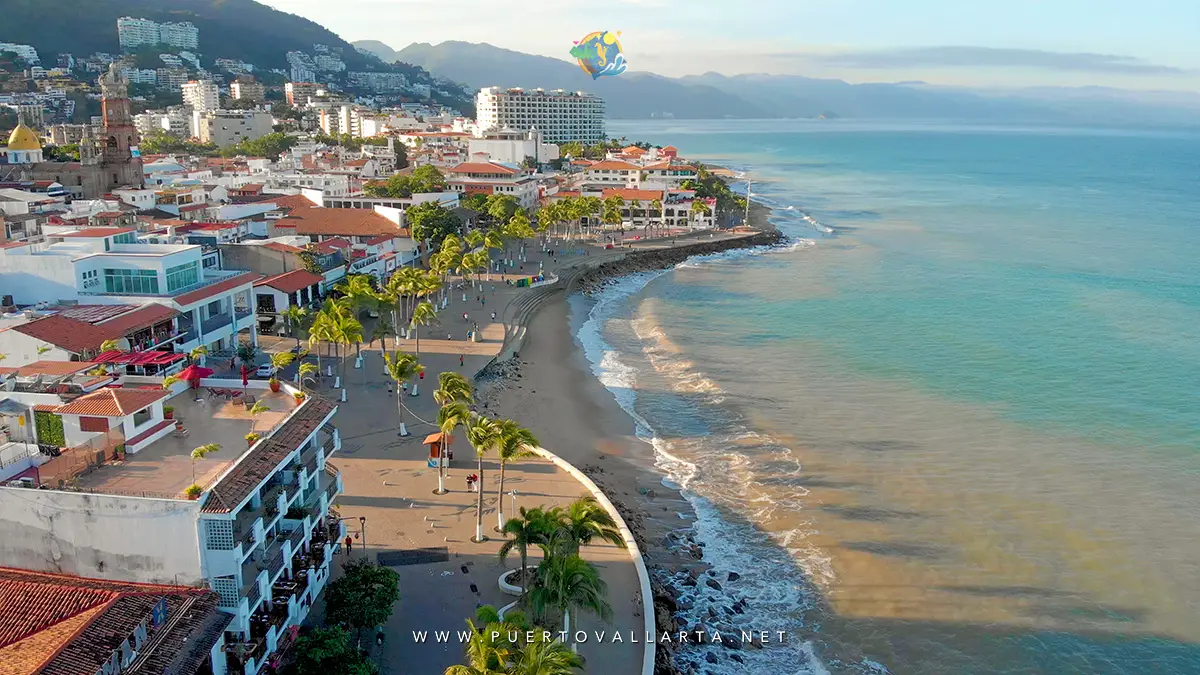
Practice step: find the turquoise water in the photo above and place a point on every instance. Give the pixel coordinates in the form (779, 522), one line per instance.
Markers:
(976, 396)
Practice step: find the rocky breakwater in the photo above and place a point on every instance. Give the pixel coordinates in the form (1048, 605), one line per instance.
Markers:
(637, 261)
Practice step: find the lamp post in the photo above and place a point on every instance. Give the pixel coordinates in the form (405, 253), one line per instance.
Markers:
(362, 522)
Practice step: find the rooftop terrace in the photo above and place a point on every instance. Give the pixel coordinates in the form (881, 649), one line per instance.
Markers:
(164, 469)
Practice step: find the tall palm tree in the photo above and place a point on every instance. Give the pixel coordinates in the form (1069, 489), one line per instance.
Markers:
(451, 415)
(656, 205)
(611, 212)
(400, 368)
(307, 371)
(488, 650)
(320, 331)
(380, 331)
(570, 584)
(197, 355)
(531, 527)
(484, 435)
(423, 315)
(200, 453)
(294, 316)
(516, 442)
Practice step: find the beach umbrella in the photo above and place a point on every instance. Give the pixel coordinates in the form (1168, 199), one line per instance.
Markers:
(193, 374)
(245, 376)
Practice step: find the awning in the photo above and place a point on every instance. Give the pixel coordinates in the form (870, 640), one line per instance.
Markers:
(149, 358)
(10, 407)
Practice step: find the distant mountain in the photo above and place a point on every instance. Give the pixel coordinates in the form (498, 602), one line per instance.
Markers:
(234, 29)
(377, 49)
(629, 96)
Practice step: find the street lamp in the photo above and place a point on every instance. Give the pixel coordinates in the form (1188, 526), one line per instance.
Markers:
(362, 522)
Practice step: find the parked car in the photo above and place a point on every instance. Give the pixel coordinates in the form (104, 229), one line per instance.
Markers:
(265, 370)
(374, 314)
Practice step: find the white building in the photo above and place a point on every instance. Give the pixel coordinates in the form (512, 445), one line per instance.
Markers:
(489, 177)
(201, 95)
(514, 147)
(299, 93)
(26, 52)
(560, 115)
(250, 521)
(140, 75)
(247, 90)
(230, 127)
(107, 266)
(134, 32)
(175, 121)
(378, 82)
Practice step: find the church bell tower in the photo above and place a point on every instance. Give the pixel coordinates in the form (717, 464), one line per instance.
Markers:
(120, 157)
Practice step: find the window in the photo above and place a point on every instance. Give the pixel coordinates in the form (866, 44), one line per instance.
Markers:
(137, 282)
(183, 275)
(126, 238)
(91, 279)
(141, 417)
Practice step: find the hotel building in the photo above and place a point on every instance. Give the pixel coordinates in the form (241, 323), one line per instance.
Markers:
(561, 116)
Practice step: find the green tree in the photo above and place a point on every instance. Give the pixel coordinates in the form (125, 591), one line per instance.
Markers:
(328, 651)
(570, 584)
(423, 315)
(611, 213)
(363, 597)
(572, 149)
(296, 317)
(401, 367)
(516, 442)
(428, 178)
(432, 222)
(547, 657)
(484, 435)
(476, 201)
(501, 207)
(531, 527)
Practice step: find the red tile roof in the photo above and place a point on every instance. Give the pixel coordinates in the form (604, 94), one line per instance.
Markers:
(91, 232)
(219, 287)
(341, 222)
(293, 202)
(484, 167)
(95, 313)
(117, 402)
(142, 317)
(192, 207)
(281, 247)
(290, 282)
(381, 239)
(629, 194)
(613, 165)
(50, 368)
(70, 334)
(633, 150)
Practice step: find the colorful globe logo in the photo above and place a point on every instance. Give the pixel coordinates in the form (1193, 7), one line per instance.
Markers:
(599, 54)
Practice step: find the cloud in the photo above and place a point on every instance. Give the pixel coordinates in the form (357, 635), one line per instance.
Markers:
(987, 57)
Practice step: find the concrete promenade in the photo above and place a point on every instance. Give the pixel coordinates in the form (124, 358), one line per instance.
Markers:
(388, 483)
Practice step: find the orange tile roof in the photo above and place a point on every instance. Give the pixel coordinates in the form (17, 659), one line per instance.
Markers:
(341, 222)
(483, 167)
(381, 239)
(671, 148)
(633, 150)
(293, 202)
(50, 368)
(669, 165)
(117, 402)
(629, 194)
(70, 334)
(219, 287)
(612, 164)
(142, 317)
(290, 282)
(281, 247)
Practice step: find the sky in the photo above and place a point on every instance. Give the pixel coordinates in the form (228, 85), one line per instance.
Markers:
(1147, 44)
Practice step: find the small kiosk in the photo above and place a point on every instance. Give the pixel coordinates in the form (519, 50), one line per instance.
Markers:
(436, 443)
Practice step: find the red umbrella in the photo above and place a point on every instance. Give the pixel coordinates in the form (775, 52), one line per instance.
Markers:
(194, 373)
(245, 375)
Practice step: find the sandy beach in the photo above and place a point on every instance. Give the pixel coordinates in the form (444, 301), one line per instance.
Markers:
(550, 387)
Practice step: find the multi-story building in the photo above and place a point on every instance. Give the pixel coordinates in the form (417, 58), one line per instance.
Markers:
(133, 32)
(560, 115)
(234, 66)
(63, 134)
(298, 93)
(477, 177)
(140, 75)
(378, 82)
(26, 52)
(107, 265)
(201, 95)
(230, 127)
(174, 121)
(250, 520)
(245, 89)
(171, 78)
(613, 172)
(514, 147)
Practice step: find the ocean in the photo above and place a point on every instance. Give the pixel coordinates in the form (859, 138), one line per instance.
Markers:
(954, 427)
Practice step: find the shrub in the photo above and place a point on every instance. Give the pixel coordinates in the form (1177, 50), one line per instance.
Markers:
(193, 491)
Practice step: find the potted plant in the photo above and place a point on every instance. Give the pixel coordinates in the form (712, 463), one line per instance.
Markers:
(252, 438)
(279, 361)
(299, 396)
(193, 491)
(169, 412)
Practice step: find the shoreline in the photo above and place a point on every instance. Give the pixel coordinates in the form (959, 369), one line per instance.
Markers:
(551, 387)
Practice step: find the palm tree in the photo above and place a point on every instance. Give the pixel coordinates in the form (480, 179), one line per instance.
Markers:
(423, 315)
(106, 346)
(200, 453)
(307, 371)
(531, 527)
(656, 205)
(516, 442)
(320, 331)
(634, 207)
(489, 651)
(484, 435)
(294, 316)
(346, 331)
(586, 520)
(380, 331)
(450, 416)
(570, 584)
(699, 209)
(197, 355)
(547, 657)
(400, 368)
(611, 212)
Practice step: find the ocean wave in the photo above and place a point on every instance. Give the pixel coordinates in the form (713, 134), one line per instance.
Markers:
(766, 562)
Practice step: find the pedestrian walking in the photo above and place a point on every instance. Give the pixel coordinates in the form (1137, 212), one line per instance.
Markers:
(349, 544)
(460, 360)
(493, 316)
(464, 316)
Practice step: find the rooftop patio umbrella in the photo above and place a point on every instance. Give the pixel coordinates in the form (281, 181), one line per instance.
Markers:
(193, 374)
(245, 377)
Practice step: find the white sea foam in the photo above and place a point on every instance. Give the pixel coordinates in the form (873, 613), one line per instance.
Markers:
(729, 546)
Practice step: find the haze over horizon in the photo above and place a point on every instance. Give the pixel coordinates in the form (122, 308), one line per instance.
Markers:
(1024, 43)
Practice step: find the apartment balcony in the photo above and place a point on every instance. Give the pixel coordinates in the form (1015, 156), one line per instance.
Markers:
(211, 277)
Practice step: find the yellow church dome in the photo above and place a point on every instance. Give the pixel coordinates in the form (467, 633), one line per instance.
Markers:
(23, 138)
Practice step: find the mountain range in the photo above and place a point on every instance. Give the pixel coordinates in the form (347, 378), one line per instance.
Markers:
(639, 95)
